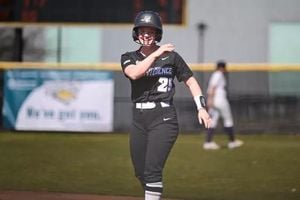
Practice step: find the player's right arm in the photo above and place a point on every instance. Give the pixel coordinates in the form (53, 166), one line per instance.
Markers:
(136, 71)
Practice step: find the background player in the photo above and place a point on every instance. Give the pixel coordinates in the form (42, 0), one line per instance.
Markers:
(151, 70)
(218, 105)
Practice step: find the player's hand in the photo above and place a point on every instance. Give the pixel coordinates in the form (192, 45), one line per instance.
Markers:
(204, 117)
(163, 48)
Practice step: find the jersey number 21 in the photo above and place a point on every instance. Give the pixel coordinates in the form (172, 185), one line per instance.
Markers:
(165, 84)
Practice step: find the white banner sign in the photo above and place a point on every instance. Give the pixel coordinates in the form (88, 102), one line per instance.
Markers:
(73, 101)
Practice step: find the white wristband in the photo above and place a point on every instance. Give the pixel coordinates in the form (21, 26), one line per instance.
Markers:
(200, 102)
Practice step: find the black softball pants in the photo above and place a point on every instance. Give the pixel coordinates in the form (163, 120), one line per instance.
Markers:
(153, 134)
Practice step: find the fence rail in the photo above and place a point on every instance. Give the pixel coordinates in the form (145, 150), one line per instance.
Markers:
(111, 66)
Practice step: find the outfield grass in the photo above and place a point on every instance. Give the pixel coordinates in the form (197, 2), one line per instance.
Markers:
(266, 167)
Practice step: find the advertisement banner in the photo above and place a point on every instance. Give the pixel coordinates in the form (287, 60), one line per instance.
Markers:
(58, 100)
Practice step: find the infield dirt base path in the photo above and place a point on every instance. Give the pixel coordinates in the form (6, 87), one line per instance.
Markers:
(25, 195)
(22, 195)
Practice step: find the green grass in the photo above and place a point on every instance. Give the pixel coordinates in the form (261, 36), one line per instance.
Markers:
(266, 167)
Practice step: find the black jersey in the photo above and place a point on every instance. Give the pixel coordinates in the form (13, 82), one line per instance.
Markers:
(158, 83)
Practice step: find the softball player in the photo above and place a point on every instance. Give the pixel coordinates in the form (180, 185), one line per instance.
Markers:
(218, 105)
(151, 70)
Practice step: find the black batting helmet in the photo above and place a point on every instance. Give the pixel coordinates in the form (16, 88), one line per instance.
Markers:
(147, 19)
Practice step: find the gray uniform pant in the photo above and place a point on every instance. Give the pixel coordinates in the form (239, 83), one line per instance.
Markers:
(153, 134)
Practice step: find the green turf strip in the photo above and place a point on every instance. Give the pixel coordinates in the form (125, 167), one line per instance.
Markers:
(266, 167)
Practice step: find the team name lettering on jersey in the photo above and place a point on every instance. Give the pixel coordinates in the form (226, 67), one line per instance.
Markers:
(159, 71)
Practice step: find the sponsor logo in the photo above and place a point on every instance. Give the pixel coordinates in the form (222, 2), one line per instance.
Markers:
(62, 92)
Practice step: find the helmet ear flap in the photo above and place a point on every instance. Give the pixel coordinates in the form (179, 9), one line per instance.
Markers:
(158, 36)
(135, 35)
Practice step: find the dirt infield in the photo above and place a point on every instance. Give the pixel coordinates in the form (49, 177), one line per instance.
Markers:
(24, 195)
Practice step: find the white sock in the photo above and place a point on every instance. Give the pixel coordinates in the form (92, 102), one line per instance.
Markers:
(152, 195)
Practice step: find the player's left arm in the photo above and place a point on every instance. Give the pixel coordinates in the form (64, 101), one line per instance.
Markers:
(199, 99)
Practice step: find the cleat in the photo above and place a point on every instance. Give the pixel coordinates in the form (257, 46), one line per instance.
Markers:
(211, 146)
(235, 144)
